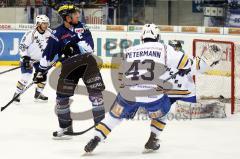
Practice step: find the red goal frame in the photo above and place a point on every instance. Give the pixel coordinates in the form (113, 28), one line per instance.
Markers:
(232, 65)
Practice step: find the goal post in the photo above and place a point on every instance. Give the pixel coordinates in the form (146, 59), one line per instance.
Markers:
(222, 80)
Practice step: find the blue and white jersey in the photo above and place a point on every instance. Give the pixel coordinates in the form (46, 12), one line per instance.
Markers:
(79, 35)
(184, 86)
(33, 43)
(145, 66)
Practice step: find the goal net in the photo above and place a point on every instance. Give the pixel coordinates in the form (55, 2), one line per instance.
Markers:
(221, 82)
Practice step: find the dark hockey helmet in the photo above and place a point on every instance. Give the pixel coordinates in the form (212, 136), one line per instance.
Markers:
(176, 44)
(66, 9)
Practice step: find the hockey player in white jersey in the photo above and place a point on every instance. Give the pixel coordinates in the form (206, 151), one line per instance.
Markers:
(182, 82)
(198, 65)
(144, 60)
(31, 48)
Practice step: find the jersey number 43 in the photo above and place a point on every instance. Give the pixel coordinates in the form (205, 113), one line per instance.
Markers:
(134, 70)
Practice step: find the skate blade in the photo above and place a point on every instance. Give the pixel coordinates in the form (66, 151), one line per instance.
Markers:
(40, 101)
(62, 138)
(146, 151)
(87, 154)
(17, 103)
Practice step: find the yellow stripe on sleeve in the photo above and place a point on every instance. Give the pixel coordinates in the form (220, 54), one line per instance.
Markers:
(183, 62)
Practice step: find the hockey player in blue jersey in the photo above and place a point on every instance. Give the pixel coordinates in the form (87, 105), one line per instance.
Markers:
(73, 40)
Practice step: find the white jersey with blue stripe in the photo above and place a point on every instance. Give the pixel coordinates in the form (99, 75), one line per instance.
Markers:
(184, 86)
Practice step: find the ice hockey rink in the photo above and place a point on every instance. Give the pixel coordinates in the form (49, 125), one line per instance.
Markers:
(26, 132)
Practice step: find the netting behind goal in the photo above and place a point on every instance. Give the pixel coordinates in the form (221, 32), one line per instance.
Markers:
(222, 82)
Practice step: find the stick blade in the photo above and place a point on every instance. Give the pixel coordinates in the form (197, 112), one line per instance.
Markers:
(2, 108)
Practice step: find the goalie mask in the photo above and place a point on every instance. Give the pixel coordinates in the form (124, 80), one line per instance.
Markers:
(150, 31)
(176, 45)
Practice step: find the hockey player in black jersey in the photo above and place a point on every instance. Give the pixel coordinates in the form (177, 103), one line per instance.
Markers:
(73, 40)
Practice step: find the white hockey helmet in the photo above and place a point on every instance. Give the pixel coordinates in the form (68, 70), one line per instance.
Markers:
(150, 31)
(42, 19)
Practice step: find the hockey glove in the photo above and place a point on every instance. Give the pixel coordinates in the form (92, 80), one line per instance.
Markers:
(39, 76)
(183, 72)
(212, 54)
(26, 63)
(68, 50)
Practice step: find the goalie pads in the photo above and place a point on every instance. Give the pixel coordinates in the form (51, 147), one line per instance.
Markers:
(212, 54)
(200, 110)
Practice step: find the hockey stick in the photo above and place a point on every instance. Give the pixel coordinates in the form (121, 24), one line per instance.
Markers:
(10, 70)
(83, 132)
(28, 86)
(15, 97)
(80, 132)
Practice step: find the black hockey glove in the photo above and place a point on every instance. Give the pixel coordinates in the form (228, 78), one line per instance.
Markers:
(68, 50)
(183, 72)
(26, 62)
(39, 76)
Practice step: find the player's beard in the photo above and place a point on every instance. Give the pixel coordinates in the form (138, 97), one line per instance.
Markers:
(73, 24)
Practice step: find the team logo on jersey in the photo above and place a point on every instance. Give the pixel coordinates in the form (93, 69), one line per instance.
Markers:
(79, 30)
(66, 36)
(22, 47)
(1, 46)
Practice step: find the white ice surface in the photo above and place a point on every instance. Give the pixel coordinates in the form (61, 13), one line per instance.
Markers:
(26, 132)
